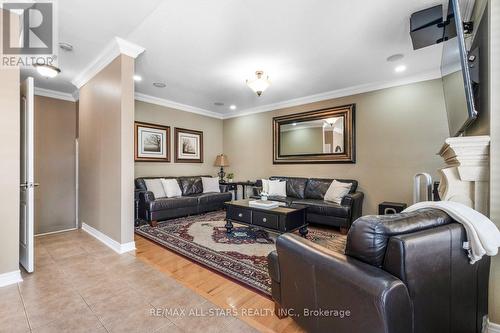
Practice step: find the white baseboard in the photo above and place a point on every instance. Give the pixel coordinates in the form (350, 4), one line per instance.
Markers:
(492, 327)
(10, 278)
(111, 243)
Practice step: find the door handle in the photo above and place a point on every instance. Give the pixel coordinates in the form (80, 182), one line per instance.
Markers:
(29, 185)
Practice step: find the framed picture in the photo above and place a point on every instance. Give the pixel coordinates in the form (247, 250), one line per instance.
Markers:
(188, 146)
(152, 142)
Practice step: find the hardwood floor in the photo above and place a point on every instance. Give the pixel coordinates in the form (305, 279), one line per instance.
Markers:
(253, 308)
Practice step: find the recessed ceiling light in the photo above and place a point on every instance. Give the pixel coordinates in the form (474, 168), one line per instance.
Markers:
(233, 107)
(159, 85)
(395, 57)
(219, 104)
(400, 68)
(66, 46)
(294, 124)
(47, 71)
(137, 78)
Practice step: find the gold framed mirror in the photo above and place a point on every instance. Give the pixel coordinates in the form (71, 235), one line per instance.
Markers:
(320, 136)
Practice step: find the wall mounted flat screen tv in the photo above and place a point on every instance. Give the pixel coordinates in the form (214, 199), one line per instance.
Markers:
(459, 70)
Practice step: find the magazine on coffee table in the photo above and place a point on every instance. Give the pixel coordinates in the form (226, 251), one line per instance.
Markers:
(264, 204)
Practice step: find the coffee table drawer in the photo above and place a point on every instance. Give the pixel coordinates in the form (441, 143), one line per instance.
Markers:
(240, 214)
(265, 220)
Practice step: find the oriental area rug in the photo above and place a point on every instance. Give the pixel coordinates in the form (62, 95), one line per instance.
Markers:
(240, 255)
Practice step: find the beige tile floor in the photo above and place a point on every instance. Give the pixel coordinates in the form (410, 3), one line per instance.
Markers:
(80, 285)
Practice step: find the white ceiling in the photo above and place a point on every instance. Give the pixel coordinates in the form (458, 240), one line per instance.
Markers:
(205, 50)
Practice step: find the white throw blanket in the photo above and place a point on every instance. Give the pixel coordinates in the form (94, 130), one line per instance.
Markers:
(483, 235)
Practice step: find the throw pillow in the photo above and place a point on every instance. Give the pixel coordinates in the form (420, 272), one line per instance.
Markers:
(265, 185)
(155, 186)
(277, 188)
(210, 184)
(337, 191)
(171, 188)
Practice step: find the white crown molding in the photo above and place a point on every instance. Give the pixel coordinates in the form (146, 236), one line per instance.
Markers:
(108, 241)
(492, 327)
(292, 102)
(115, 48)
(177, 106)
(363, 88)
(76, 95)
(54, 94)
(10, 278)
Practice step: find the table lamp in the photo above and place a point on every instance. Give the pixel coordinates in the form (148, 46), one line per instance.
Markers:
(221, 161)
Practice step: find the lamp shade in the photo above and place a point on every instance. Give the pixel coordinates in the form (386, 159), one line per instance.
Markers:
(221, 161)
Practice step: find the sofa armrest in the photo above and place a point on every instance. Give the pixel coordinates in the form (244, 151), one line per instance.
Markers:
(146, 196)
(355, 201)
(312, 277)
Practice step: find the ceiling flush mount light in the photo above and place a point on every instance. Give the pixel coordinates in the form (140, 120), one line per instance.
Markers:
(260, 83)
(232, 107)
(400, 68)
(159, 85)
(137, 78)
(47, 71)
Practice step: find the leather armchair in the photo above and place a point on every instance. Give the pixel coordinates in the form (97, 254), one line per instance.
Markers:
(402, 273)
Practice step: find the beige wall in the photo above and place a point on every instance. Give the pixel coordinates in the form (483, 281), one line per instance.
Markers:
(212, 140)
(10, 167)
(55, 134)
(9, 170)
(398, 133)
(106, 113)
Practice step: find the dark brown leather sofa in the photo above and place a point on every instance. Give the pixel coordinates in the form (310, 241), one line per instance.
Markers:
(402, 273)
(311, 191)
(192, 201)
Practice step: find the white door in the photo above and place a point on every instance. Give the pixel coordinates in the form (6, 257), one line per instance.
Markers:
(26, 230)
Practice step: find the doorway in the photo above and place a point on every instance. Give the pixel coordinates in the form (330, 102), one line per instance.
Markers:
(55, 165)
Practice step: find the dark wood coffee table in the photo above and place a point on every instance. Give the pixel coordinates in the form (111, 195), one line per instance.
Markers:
(281, 219)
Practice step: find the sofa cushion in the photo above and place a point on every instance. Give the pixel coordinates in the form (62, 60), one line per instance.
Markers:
(295, 186)
(337, 191)
(369, 235)
(321, 207)
(277, 188)
(170, 203)
(210, 185)
(316, 188)
(171, 187)
(210, 198)
(155, 185)
(190, 185)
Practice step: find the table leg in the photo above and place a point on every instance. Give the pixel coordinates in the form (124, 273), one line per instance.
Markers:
(243, 188)
(303, 231)
(229, 226)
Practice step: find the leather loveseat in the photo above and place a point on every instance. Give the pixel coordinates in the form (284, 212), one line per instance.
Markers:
(401, 273)
(192, 201)
(311, 191)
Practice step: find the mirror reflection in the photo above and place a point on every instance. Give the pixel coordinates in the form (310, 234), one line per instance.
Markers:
(321, 136)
